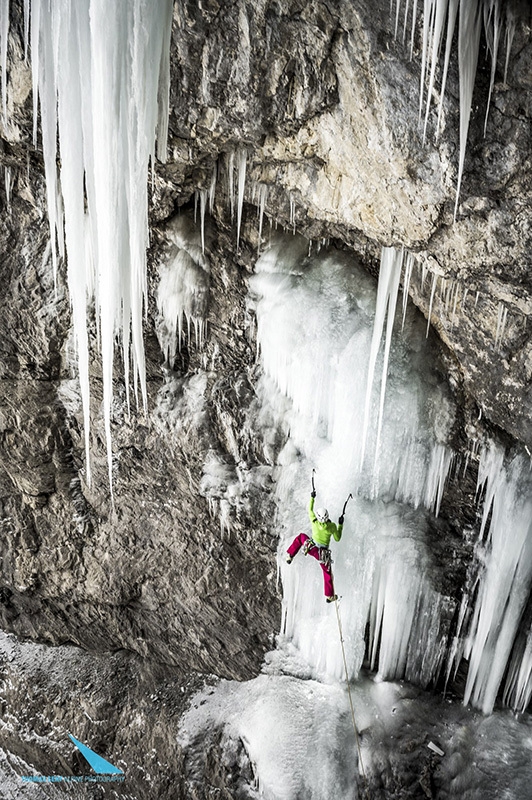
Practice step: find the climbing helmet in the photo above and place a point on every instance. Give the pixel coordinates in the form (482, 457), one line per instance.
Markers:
(322, 515)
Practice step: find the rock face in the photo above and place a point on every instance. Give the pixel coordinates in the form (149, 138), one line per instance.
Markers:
(327, 103)
(324, 102)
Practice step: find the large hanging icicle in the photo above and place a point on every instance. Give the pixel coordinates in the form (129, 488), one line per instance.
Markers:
(468, 45)
(389, 277)
(492, 27)
(98, 71)
(440, 15)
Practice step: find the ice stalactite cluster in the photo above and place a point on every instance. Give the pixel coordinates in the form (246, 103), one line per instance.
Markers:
(183, 290)
(364, 405)
(315, 330)
(439, 18)
(451, 301)
(101, 78)
(503, 585)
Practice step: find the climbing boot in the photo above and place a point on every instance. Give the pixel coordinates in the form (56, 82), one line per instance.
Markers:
(289, 559)
(331, 599)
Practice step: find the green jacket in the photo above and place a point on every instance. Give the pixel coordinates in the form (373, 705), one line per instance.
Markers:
(322, 531)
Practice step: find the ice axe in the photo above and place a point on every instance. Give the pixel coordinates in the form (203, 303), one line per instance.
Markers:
(346, 502)
(313, 487)
(341, 519)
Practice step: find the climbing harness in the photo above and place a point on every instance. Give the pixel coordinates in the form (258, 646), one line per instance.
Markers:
(324, 554)
(325, 557)
(349, 689)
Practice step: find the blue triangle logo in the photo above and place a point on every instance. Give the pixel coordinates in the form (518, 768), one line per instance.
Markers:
(99, 764)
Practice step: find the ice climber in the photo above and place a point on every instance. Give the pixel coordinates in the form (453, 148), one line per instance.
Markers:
(318, 545)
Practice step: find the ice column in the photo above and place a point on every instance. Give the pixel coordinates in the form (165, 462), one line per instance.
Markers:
(99, 70)
(506, 578)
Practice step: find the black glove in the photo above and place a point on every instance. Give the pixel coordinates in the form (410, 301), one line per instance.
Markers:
(341, 520)
(313, 494)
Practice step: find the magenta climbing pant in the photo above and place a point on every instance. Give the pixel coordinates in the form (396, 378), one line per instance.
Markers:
(296, 546)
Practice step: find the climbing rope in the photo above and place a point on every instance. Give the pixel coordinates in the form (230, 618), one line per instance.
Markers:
(349, 691)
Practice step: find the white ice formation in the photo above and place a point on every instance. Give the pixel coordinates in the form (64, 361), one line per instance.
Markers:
(183, 290)
(438, 25)
(99, 70)
(369, 410)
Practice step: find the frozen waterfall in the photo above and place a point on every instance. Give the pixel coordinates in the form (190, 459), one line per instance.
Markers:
(367, 407)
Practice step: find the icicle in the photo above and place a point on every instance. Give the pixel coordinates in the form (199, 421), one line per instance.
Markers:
(440, 464)
(468, 46)
(405, 610)
(451, 22)
(4, 35)
(493, 17)
(26, 27)
(241, 164)
(110, 57)
(456, 650)
(212, 189)
(389, 276)
(397, 10)
(510, 33)
(428, 13)
(414, 20)
(293, 212)
(432, 293)
(424, 273)
(35, 71)
(262, 198)
(407, 5)
(505, 581)
(444, 294)
(439, 15)
(203, 203)
(409, 263)
(163, 90)
(476, 298)
(395, 258)
(455, 303)
(502, 315)
(8, 178)
(231, 182)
